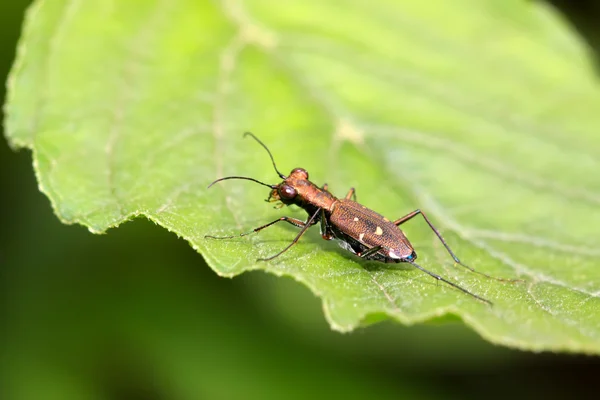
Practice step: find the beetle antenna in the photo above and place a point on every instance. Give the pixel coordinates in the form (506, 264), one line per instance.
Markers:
(282, 176)
(242, 177)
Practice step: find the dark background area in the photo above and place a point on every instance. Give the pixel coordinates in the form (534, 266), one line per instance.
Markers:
(137, 314)
(584, 17)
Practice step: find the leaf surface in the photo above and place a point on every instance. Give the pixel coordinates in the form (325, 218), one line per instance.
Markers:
(482, 114)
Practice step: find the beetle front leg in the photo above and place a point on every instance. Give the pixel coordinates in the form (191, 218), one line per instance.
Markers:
(311, 221)
(296, 222)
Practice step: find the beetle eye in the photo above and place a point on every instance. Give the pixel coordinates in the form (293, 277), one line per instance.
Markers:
(300, 171)
(287, 192)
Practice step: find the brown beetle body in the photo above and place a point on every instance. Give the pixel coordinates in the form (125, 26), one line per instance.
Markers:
(357, 228)
(353, 221)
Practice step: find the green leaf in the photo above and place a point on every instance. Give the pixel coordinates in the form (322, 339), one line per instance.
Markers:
(481, 113)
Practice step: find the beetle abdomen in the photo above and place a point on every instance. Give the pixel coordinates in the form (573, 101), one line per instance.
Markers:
(371, 229)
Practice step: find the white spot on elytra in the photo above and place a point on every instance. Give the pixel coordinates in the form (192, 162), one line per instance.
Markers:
(355, 219)
(378, 231)
(361, 236)
(393, 255)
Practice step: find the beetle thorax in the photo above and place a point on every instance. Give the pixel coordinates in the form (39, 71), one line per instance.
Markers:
(297, 189)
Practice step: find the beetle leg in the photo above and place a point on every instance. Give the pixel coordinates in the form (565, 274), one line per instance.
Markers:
(407, 217)
(311, 221)
(325, 229)
(293, 221)
(439, 278)
(369, 252)
(351, 194)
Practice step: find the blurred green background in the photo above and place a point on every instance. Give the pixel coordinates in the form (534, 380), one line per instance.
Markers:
(137, 314)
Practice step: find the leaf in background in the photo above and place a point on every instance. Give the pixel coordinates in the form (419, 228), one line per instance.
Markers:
(484, 114)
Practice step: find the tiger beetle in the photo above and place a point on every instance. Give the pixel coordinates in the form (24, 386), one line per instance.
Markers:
(357, 228)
